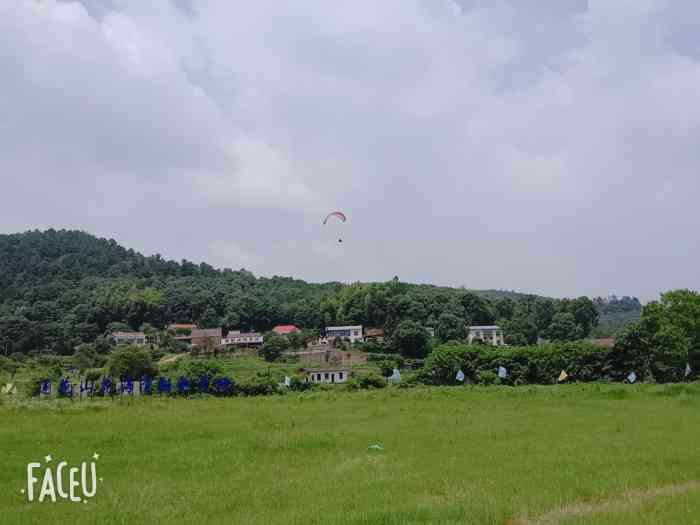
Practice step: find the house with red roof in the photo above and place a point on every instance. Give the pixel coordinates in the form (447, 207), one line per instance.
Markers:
(285, 329)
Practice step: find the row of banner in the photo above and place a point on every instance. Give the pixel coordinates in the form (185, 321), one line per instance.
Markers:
(222, 386)
(563, 376)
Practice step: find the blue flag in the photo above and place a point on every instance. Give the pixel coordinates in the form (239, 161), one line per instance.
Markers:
(164, 385)
(45, 387)
(65, 389)
(146, 386)
(183, 385)
(460, 376)
(223, 386)
(502, 372)
(203, 384)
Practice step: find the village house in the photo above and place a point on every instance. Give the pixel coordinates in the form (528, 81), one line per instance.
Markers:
(182, 332)
(353, 333)
(491, 335)
(238, 338)
(206, 337)
(331, 356)
(285, 329)
(328, 375)
(374, 334)
(128, 338)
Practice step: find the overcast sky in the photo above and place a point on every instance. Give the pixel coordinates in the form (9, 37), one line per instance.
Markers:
(544, 146)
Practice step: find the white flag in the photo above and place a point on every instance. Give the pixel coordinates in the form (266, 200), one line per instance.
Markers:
(287, 381)
(502, 372)
(396, 376)
(688, 370)
(632, 377)
(460, 376)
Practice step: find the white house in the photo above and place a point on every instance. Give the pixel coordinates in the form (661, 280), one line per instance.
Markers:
(330, 375)
(354, 333)
(491, 335)
(129, 338)
(236, 338)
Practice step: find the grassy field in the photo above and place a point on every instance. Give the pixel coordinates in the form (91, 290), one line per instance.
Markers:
(574, 454)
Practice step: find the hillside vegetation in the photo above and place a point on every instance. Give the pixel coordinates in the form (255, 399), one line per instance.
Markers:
(59, 289)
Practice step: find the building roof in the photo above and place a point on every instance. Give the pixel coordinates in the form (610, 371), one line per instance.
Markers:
(374, 332)
(604, 342)
(206, 332)
(238, 333)
(182, 326)
(354, 327)
(323, 370)
(485, 327)
(128, 334)
(282, 329)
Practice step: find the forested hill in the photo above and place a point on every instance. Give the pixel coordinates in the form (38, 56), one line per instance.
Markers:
(61, 288)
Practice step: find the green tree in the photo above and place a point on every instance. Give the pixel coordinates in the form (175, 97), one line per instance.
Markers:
(410, 339)
(563, 328)
(451, 328)
(273, 347)
(131, 361)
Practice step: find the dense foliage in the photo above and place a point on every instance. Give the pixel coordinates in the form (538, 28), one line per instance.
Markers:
(60, 289)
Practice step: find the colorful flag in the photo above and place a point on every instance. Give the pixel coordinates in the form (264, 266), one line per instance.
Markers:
(632, 377)
(502, 372)
(395, 376)
(9, 389)
(563, 376)
(460, 376)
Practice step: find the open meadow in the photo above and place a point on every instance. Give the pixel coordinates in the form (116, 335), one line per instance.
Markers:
(570, 454)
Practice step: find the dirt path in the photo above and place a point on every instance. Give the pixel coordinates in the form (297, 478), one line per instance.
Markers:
(622, 502)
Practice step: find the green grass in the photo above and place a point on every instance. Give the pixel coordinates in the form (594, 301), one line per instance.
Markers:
(451, 455)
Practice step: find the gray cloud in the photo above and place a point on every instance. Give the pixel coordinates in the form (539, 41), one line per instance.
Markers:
(543, 146)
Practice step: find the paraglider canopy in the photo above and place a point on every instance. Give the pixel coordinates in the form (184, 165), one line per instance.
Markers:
(335, 214)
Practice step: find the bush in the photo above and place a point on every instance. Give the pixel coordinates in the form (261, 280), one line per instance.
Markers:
(525, 365)
(130, 361)
(258, 386)
(487, 378)
(372, 380)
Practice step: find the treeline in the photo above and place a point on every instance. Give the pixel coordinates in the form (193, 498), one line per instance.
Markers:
(59, 289)
(662, 346)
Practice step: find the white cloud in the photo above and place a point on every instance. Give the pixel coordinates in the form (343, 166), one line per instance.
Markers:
(528, 144)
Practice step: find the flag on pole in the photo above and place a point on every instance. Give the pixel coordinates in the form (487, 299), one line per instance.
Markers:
(563, 376)
(632, 377)
(502, 372)
(688, 370)
(9, 389)
(395, 376)
(460, 376)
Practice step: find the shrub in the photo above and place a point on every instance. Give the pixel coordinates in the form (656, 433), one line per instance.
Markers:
(372, 380)
(487, 377)
(130, 361)
(258, 386)
(525, 365)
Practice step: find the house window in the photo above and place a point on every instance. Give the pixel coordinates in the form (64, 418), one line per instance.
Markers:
(326, 374)
(340, 375)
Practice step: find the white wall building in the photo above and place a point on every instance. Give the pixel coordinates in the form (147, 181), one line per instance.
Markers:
(328, 376)
(491, 335)
(353, 333)
(237, 338)
(129, 338)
